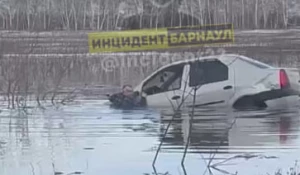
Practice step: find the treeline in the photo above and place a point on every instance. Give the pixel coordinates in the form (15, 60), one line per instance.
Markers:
(41, 15)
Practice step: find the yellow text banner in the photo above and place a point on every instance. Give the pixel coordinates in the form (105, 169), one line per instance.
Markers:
(161, 38)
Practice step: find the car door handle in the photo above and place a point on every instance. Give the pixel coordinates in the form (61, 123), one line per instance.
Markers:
(227, 87)
(176, 97)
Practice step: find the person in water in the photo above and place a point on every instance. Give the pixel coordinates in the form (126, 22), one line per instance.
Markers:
(127, 99)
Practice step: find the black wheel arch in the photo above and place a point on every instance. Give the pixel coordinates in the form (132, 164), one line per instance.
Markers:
(249, 102)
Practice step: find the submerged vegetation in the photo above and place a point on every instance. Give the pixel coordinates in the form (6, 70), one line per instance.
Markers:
(24, 80)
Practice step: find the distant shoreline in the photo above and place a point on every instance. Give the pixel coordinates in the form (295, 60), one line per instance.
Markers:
(237, 31)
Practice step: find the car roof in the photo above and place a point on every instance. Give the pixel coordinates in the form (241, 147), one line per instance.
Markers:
(225, 58)
(255, 62)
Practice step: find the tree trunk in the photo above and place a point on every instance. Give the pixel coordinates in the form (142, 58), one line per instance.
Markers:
(264, 12)
(49, 14)
(3, 21)
(28, 19)
(118, 18)
(284, 13)
(243, 14)
(92, 19)
(208, 10)
(103, 20)
(215, 14)
(201, 12)
(141, 20)
(231, 12)
(84, 15)
(156, 21)
(44, 20)
(277, 19)
(108, 20)
(256, 14)
(67, 15)
(172, 18)
(75, 18)
(10, 19)
(98, 15)
(18, 15)
(180, 20)
(151, 18)
(227, 11)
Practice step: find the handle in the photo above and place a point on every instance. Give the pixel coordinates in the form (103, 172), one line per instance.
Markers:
(227, 87)
(176, 97)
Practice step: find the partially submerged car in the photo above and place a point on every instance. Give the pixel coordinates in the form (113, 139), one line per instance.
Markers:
(219, 81)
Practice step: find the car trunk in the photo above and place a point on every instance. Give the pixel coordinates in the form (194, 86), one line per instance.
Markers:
(285, 82)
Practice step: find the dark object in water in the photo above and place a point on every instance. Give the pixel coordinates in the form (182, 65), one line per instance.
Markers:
(76, 172)
(121, 101)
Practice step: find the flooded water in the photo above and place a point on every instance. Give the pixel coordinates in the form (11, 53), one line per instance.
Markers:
(87, 137)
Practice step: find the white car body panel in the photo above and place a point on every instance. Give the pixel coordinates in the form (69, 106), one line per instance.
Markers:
(213, 94)
(246, 77)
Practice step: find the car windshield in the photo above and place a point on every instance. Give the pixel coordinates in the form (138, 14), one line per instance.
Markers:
(167, 79)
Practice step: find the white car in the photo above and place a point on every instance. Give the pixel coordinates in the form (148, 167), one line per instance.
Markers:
(220, 81)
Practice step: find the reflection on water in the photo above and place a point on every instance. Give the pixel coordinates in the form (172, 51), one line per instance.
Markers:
(229, 133)
(90, 138)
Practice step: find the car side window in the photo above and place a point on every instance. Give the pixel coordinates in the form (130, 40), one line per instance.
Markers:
(168, 79)
(205, 72)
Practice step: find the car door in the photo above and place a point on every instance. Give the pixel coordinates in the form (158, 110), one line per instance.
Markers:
(164, 88)
(213, 81)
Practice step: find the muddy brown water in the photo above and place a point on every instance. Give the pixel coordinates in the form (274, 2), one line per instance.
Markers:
(87, 137)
